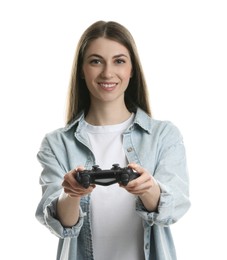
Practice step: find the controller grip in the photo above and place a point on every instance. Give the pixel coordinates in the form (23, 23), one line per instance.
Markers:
(83, 180)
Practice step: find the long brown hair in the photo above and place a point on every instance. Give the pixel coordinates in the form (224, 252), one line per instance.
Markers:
(136, 94)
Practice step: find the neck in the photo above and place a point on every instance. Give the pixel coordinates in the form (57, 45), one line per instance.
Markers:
(107, 115)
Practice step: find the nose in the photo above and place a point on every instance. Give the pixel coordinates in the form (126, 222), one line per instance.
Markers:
(107, 71)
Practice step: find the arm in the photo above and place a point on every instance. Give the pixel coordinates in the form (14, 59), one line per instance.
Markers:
(170, 173)
(69, 201)
(50, 210)
(145, 187)
(68, 209)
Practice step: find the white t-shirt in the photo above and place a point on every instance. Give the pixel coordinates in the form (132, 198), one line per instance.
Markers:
(117, 230)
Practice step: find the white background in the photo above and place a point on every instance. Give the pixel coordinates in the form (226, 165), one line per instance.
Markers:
(183, 49)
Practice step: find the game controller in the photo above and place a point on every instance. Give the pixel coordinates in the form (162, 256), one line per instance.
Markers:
(106, 177)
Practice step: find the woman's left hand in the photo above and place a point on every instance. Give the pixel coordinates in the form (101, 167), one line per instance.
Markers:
(143, 183)
(145, 186)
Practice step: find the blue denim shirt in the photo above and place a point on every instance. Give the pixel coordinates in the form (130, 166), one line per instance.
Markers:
(155, 145)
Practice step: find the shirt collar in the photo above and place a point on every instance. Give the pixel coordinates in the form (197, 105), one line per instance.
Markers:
(141, 119)
(78, 119)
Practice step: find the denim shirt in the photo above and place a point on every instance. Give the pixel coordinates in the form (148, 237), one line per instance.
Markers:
(155, 145)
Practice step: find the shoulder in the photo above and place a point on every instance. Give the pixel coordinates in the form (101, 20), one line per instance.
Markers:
(155, 126)
(53, 139)
(164, 127)
(66, 131)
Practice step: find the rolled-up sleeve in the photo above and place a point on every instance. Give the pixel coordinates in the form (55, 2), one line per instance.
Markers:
(172, 176)
(51, 182)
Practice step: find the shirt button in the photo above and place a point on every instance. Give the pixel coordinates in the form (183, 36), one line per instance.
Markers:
(129, 149)
(147, 246)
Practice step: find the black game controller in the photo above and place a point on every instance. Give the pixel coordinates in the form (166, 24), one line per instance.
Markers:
(106, 177)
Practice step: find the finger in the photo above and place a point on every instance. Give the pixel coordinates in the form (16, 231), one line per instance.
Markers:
(79, 192)
(138, 188)
(136, 167)
(70, 177)
(143, 178)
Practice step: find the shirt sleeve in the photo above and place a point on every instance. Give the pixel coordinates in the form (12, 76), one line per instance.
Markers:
(51, 182)
(172, 176)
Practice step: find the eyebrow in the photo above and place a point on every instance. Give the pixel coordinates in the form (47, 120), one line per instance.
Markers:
(114, 57)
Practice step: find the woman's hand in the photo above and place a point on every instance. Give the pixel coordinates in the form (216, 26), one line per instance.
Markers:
(69, 200)
(145, 186)
(72, 187)
(143, 183)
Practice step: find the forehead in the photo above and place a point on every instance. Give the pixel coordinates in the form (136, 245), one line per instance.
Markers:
(106, 47)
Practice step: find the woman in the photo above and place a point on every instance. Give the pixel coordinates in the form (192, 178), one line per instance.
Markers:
(109, 121)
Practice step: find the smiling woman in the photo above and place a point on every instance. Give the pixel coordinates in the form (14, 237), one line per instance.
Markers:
(136, 93)
(109, 121)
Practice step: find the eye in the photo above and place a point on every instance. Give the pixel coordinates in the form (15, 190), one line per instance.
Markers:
(119, 61)
(95, 61)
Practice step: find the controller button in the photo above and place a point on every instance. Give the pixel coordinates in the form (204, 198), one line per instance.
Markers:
(95, 167)
(115, 166)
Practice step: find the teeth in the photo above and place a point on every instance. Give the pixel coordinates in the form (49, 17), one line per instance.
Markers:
(107, 85)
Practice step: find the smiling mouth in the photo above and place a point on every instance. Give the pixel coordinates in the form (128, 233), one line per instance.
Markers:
(108, 85)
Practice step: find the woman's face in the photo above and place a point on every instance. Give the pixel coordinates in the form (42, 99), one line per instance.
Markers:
(107, 69)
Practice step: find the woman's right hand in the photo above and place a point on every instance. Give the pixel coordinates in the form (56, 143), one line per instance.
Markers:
(69, 200)
(72, 187)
